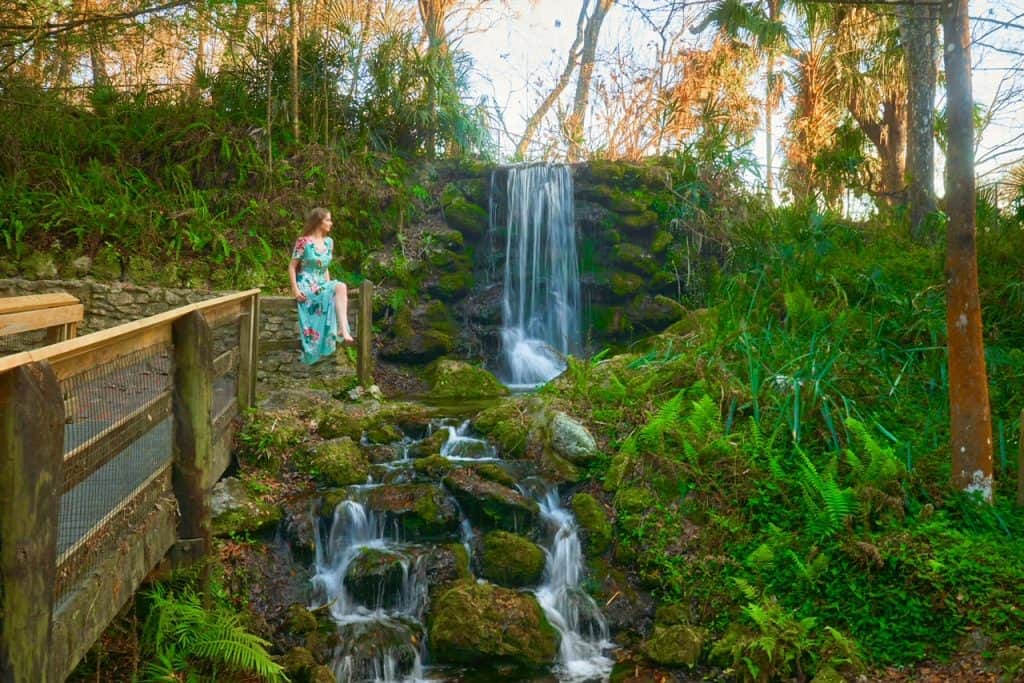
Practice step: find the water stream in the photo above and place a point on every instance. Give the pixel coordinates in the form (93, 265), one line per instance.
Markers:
(541, 296)
(382, 627)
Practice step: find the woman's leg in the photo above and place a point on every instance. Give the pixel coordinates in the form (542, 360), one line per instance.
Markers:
(341, 308)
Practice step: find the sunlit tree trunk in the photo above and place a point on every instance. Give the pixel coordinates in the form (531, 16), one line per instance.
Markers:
(918, 27)
(580, 102)
(770, 98)
(970, 419)
(293, 34)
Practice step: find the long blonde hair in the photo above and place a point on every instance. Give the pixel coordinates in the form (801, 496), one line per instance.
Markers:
(313, 220)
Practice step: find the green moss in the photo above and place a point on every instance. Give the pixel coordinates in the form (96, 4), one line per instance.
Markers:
(495, 473)
(453, 285)
(634, 258)
(334, 422)
(456, 379)
(616, 470)
(506, 425)
(634, 500)
(485, 625)
(266, 440)
(247, 512)
(423, 511)
(678, 645)
(625, 284)
(511, 560)
(39, 266)
(435, 466)
(461, 214)
(383, 433)
(431, 445)
(106, 265)
(592, 519)
(639, 222)
(661, 241)
(338, 462)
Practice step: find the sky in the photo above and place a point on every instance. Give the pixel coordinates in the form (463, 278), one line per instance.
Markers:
(512, 53)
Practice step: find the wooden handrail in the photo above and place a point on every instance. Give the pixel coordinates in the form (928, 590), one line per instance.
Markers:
(34, 302)
(59, 314)
(57, 354)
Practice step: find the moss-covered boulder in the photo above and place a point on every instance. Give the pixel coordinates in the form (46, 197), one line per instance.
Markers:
(422, 511)
(661, 241)
(339, 462)
(678, 645)
(508, 425)
(444, 565)
(237, 509)
(634, 258)
(511, 560)
(375, 578)
(470, 219)
(596, 530)
(490, 504)
(557, 469)
(639, 222)
(450, 286)
(454, 379)
(571, 440)
(434, 467)
(494, 472)
(383, 433)
(431, 445)
(485, 625)
(267, 439)
(420, 334)
(625, 284)
(333, 421)
(655, 312)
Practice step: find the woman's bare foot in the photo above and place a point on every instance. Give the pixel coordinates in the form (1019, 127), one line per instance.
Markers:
(346, 339)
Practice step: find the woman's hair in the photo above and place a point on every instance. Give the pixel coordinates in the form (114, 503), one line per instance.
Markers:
(314, 218)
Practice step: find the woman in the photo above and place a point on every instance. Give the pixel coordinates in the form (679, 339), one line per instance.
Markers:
(322, 302)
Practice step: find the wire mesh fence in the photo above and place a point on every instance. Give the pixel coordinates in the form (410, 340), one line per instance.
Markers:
(22, 341)
(117, 440)
(226, 340)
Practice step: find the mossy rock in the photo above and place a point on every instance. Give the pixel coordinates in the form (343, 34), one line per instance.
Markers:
(596, 529)
(299, 665)
(655, 313)
(698, 321)
(571, 439)
(236, 509)
(300, 621)
(480, 624)
(661, 241)
(333, 422)
(827, 674)
(492, 472)
(450, 379)
(375, 577)
(383, 433)
(507, 425)
(339, 462)
(625, 284)
(614, 199)
(639, 222)
(39, 266)
(511, 560)
(634, 500)
(463, 215)
(106, 265)
(444, 565)
(449, 261)
(490, 504)
(556, 468)
(671, 615)
(451, 286)
(616, 470)
(433, 467)
(431, 445)
(634, 258)
(678, 645)
(421, 334)
(267, 439)
(422, 511)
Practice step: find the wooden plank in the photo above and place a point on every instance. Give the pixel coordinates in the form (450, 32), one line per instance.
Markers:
(142, 340)
(108, 444)
(32, 302)
(364, 333)
(57, 352)
(225, 314)
(254, 363)
(224, 417)
(226, 362)
(26, 321)
(31, 447)
(245, 358)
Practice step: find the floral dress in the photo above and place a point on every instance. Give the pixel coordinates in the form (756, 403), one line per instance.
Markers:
(318, 324)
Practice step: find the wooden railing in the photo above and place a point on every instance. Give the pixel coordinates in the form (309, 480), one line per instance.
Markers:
(110, 444)
(58, 314)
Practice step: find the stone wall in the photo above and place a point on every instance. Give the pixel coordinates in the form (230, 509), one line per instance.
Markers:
(112, 303)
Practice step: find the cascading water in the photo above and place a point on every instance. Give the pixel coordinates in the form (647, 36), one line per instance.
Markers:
(541, 300)
(570, 610)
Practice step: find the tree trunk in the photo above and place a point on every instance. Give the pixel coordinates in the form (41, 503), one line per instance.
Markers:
(918, 25)
(970, 419)
(293, 30)
(533, 123)
(769, 106)
(574, 125)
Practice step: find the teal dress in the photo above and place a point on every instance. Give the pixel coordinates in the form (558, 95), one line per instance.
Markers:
(318, 323)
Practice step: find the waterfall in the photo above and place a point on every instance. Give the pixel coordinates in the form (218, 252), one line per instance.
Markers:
(541, 300)
(380, 641)
(567, 606)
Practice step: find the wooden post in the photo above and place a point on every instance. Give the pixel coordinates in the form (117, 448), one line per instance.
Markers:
(364, 359)
(31, 457)
(247, 362)
(193, 430)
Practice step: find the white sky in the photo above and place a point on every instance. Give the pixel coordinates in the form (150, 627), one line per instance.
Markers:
(513, 53)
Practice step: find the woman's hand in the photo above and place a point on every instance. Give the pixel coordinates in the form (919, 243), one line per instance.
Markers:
(299, 296)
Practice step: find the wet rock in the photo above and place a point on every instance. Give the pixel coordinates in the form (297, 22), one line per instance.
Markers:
(494, 472)
(655, 313)
(634, 258)
(557, 469)
(420, 334)
(336, 421)
(571, 440)
(236, 509)
(507, 425)
(678, 645)
(511, 560)
(486, 625)
(300, 527)
(375, 578)
(457, 379)
(339, 462)
(444, 565)
(295, 400)
(430, 445)
(364, 646)
(625, 284)
(595, 529)
(383, 433)
(460, 213)
(490, 504)
(299, 665)
(423, 511)
(434, 467)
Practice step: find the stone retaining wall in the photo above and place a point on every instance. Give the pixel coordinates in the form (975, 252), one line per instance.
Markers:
(108, 304)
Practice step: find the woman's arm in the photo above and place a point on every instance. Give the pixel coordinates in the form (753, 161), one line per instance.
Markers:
(296, 292)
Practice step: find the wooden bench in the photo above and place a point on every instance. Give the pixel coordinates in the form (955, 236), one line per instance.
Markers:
(58, 314)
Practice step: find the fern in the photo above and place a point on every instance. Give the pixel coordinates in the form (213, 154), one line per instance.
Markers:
(881, 468)
(182, 635)
(828, 504)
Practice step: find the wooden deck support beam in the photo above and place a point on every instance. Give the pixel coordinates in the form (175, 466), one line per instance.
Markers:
(31, 453)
